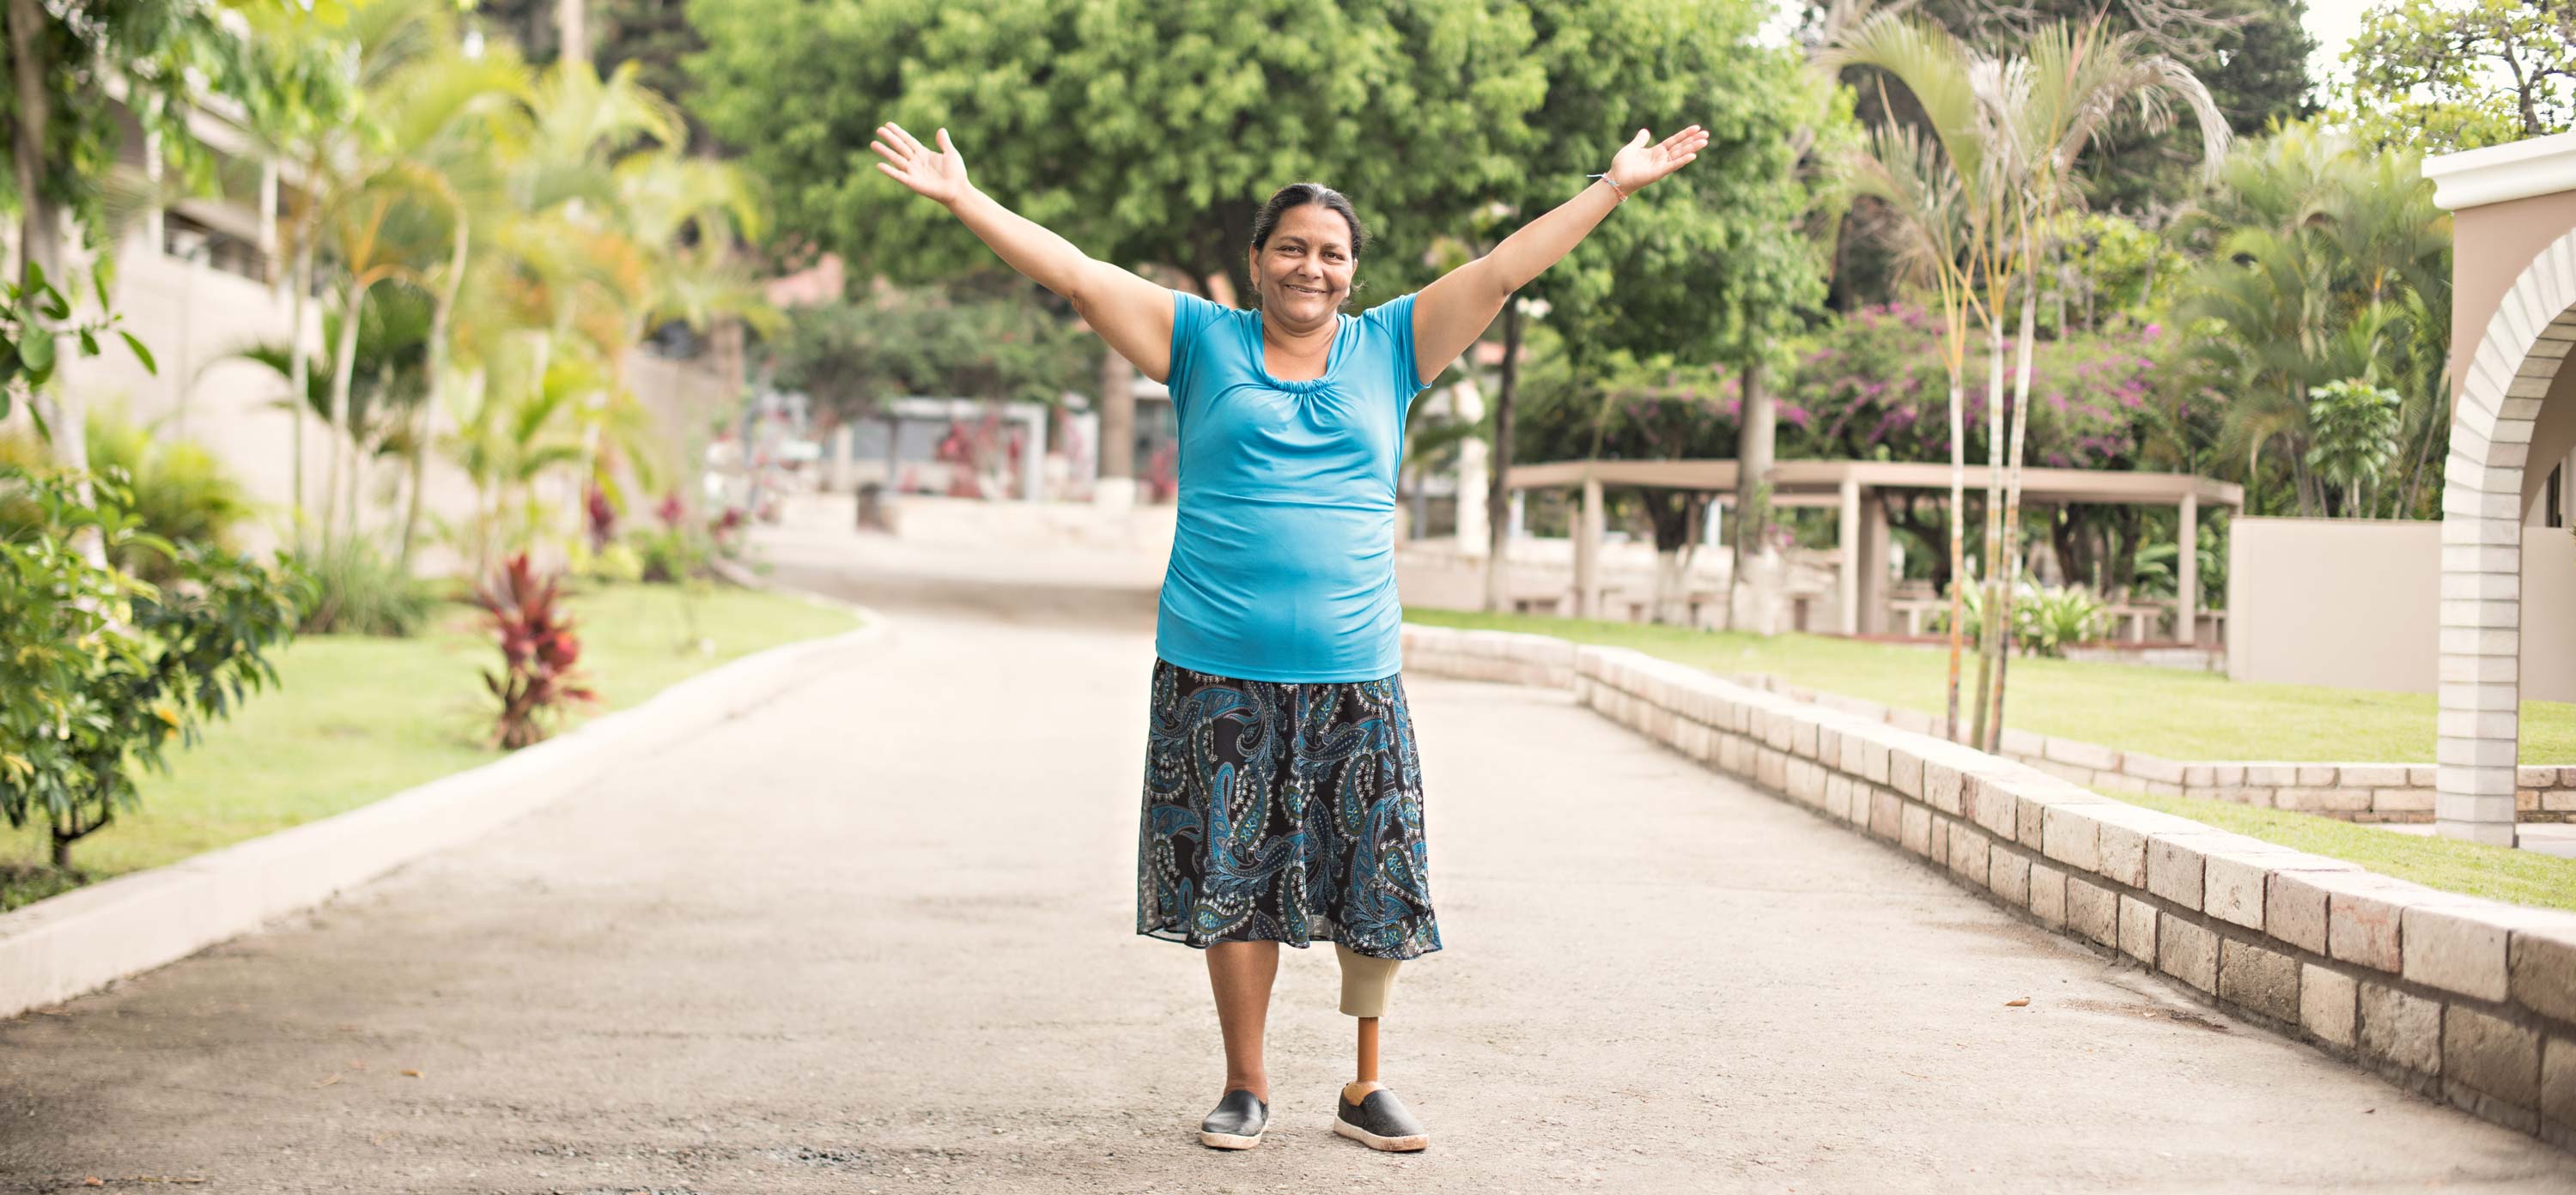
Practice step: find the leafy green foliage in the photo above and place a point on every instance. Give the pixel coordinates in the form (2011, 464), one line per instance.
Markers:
(362, 591)
(2046, 619)
(104, 670)
(851, 356)
(2107, 267)
(1149, 133)
(2251, 54)
(108, 63)
(2352, 432)
(388, 370)
(34, 335)
(176, 489)
(2325, 264)
(2433, 76)
(2155, 576)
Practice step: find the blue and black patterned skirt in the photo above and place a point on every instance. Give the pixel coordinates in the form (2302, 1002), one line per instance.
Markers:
(1283, 813)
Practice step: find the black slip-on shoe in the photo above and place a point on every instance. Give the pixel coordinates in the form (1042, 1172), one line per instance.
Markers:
(1380, 1121)
(1236, 1123)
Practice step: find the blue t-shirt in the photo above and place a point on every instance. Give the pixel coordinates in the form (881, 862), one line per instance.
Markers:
(1283, 562)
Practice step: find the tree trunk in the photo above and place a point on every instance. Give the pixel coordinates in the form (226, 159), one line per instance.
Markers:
(344, 363)
(1750, 577)
(1117, 421)
(299, 372)
(40, 246)
(2012, 515)
(434, 396)
(1958, 545)
(1989, 631)
(572, 24)
(2071, 534)
(1498, 490)
(1672, 515)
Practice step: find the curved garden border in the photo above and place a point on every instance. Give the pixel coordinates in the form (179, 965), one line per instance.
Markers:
(63, 946)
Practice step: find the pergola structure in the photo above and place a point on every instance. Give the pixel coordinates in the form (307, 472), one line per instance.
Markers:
(2513, 410)
(1862, 534)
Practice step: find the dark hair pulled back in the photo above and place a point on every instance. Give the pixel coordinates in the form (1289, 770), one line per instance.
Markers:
(1297, 195)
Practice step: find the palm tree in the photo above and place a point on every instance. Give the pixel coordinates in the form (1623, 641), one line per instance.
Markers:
(1937, 182)
(309, 82)
(2044, 109)
(515, 425)
(2326, 267)
(604, 230)
(447, 114)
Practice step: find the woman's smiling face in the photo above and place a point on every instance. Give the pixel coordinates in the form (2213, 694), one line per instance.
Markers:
(1303, 273)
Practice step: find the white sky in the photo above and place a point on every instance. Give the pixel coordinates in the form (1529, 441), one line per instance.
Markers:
(2332, 23)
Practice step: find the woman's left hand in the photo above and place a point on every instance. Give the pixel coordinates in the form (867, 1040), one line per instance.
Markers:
(1639, 163)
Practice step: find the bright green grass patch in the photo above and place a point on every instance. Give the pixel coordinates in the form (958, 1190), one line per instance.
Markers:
(355, 719)
(2160, 711)
(2494, 872)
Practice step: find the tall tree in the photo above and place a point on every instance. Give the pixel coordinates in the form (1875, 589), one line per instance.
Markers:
(2432, 76)
(1938, 190)
(1711, 266)
(2046, 109)
(1149, 134)
(2251, 55)
(2327, 263)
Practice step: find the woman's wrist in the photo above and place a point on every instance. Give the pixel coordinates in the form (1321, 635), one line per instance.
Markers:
(1619, 194)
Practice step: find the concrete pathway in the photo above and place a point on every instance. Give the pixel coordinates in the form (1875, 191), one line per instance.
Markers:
(879, 938)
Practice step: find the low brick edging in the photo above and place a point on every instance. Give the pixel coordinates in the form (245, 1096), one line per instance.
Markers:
(2353, 792)
(2450, 996)
(64, 946)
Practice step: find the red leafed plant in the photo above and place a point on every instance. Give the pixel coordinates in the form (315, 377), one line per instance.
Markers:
(538, 648)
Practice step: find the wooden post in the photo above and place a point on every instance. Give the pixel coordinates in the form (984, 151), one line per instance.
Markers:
(1847, 541)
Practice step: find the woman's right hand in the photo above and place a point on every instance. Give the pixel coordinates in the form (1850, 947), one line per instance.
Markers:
(938, 175)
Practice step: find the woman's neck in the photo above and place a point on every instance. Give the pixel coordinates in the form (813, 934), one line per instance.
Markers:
(1297, 354)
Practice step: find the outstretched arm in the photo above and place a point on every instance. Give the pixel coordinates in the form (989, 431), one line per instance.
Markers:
(1451, 313)
(1132, 314)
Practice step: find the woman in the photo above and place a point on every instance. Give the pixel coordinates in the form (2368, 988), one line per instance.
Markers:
(1283, 796)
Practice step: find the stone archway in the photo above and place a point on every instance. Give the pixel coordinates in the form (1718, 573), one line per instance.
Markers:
(2498, 397)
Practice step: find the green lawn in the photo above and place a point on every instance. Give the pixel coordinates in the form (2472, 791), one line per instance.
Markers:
(2160, 711)
(359, 719)
(2494, 872)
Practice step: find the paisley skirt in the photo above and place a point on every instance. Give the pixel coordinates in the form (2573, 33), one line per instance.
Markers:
(1283, 812)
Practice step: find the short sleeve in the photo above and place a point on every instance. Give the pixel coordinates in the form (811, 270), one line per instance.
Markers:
(1191, 316)
(1394, 320)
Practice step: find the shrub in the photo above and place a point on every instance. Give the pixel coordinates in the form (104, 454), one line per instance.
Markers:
(362, 591)
(103, 669)
(539, 650)
(669, 556)
(618, 562)
(672, 554)
(175, 489)
(2046, 620)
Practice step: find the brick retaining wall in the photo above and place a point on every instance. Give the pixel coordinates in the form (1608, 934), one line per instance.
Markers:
(2454, 997)
(2353, 792)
